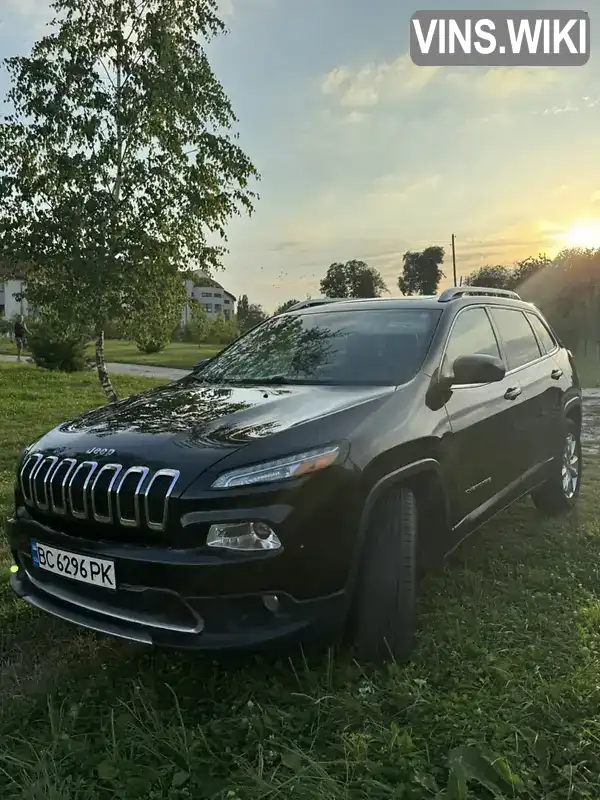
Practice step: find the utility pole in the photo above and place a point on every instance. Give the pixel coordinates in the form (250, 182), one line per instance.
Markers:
(454, 259)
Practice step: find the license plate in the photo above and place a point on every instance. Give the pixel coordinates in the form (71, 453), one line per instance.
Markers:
(85, 569)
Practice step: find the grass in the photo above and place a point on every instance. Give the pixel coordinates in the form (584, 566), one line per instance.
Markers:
(176, 355)
(588, 368)
(502, 698)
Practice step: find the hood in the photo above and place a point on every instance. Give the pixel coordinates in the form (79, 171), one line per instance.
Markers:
(194, 425)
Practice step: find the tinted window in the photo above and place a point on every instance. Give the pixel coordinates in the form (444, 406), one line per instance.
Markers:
(472, 333)
(520, 345)
(384, 346)
(543, 334)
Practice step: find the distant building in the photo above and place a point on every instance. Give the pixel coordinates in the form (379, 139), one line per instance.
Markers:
(211, 295)
(213, 298)
(11, 299)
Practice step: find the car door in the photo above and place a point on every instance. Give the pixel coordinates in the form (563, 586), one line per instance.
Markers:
(538, 377)
(484, 446)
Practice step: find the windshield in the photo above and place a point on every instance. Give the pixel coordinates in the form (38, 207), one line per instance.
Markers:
(384, 346)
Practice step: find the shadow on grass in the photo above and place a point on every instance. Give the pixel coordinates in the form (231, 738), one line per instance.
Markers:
(508, 658)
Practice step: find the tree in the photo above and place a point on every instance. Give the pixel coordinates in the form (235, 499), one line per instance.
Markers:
(117, 162)
(421, 273)
(200, 321)
(497, 277)
(150, 314)
(530, 267)
(222, 331)
(352, 279)
(249, 314)
(284, 306)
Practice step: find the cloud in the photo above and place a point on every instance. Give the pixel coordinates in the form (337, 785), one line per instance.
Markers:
(394, 188)
(376, 84)
(389, 83)
(500, 82)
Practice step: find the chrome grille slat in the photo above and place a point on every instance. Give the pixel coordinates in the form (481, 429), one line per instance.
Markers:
(92, 467)
(56, 491)
(117, 469)
(167, 473)
(63, 486)
(38, 458)
(45, 503)
(126, 522)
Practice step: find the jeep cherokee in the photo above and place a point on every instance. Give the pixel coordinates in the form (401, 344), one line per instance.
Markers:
(292, 487)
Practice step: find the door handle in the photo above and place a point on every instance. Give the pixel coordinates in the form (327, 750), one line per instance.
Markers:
(556, 374)
(512, 394)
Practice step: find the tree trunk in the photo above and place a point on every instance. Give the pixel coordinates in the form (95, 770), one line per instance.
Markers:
(103, 375)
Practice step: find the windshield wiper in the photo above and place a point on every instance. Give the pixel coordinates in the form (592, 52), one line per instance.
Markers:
(268, 380)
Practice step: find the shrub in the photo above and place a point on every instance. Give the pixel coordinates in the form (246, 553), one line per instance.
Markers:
(58, 350)
(223, 331)
(192, 333)
(150, 345)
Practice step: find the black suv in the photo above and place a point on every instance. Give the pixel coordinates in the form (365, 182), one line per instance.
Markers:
(292, 487)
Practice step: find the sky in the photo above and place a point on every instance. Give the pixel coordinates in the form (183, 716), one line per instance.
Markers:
(364, 155)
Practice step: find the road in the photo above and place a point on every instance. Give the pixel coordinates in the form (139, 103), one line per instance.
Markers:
(140, 370)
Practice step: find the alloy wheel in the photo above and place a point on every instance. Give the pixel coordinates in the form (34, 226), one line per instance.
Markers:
(571, 466)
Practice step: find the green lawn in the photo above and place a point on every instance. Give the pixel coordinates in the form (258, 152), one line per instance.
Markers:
(505, 680)
(179, 356)
(589, 371)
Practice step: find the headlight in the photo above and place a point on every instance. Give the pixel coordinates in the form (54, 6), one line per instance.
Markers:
(279, 469)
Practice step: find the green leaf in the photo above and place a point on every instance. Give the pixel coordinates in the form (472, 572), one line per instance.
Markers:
(107, 771)
(292, 760)
(180, 779)
(469, 764)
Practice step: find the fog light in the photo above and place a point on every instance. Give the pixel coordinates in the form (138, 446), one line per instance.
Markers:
(271, 603)
(243, 536)
(14, 569)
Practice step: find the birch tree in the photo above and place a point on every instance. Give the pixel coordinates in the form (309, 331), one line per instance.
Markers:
(119, 165)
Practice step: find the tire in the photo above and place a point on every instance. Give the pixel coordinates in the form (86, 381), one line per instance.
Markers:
(385, 597)
(557, 495)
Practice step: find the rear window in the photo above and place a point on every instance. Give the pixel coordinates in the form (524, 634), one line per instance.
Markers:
(386, 346)
(544, 336)
(520, 345)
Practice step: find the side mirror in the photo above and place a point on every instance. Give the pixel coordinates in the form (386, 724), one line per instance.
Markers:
(201, 364)
(477, 368)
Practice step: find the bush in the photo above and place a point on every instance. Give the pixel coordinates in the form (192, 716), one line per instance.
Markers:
(58, 350)
(192, 333)
(223, 331)
(150, 345)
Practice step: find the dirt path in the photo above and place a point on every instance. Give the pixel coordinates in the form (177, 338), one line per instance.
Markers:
(141, 370)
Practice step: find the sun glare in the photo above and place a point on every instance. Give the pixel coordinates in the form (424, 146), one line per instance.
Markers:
(584, 234)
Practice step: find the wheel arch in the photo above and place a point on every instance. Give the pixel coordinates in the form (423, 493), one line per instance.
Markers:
(425, 478)
(573, 410)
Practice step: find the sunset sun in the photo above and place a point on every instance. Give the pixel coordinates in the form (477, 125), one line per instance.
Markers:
(585, 233)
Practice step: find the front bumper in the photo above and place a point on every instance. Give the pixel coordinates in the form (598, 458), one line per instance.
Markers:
(160, 600)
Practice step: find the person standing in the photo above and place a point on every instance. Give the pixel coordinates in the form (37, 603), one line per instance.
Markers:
(20, 331)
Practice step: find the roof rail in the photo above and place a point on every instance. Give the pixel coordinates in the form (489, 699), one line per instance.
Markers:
(459, 291)
(319, 301)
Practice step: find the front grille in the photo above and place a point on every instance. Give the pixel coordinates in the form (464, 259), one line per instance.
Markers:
(110, 494)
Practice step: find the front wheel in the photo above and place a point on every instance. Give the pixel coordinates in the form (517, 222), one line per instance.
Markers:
(385, 599)
(560, 492)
